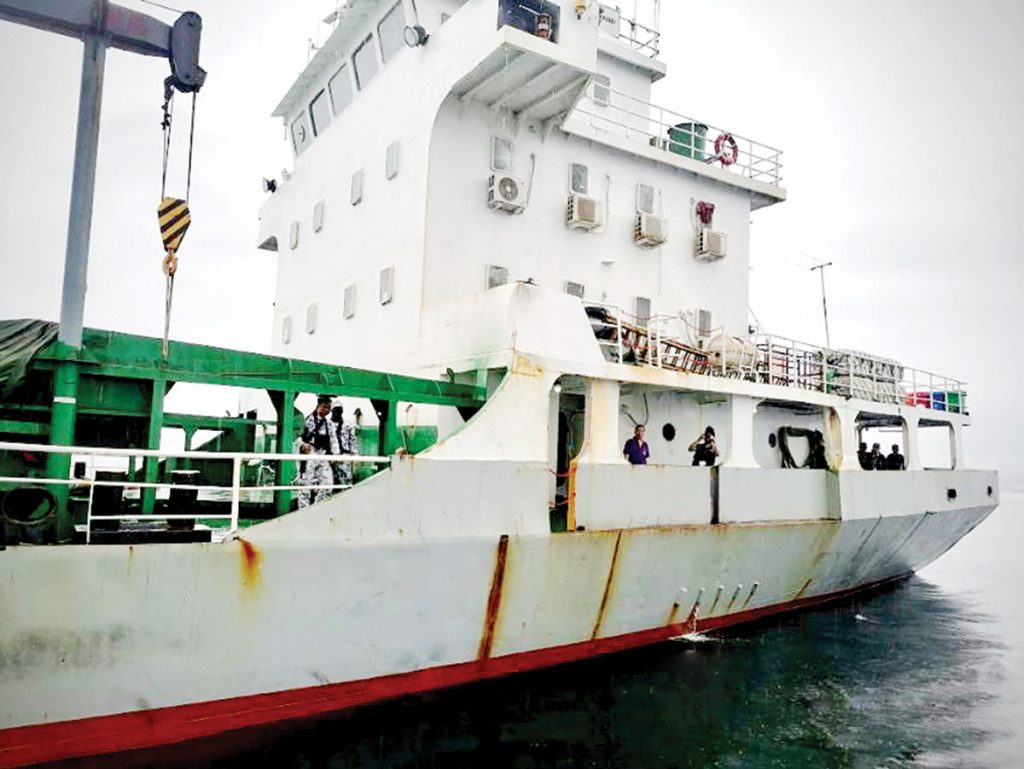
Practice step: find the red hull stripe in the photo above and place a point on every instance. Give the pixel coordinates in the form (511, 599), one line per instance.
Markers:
(27, 745)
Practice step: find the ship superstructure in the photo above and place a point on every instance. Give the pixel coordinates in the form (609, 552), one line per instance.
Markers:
(485, 202)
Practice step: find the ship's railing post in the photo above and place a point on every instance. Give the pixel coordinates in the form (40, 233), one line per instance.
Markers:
(618, 334)
(88, 508)
(236, 492)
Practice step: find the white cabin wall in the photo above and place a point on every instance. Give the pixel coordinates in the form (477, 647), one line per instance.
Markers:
(463, 236)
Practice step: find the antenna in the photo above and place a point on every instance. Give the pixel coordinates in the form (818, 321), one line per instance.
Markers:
(824, 304)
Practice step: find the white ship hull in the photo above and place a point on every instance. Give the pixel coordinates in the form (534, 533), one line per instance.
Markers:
(119, 647)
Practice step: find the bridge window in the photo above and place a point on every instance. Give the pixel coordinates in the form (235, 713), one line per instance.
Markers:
(391, 32)
(364, 60)
(320, 112)
(340, 87)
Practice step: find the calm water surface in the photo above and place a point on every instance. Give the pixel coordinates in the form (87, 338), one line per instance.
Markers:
(930, 674)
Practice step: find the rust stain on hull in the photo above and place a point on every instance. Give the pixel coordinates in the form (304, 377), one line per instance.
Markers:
(607, 587)
(672, 614)
(251, 561)
(803, 590)
(494, 599)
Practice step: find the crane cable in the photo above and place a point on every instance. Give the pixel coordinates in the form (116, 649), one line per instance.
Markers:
(173, 213)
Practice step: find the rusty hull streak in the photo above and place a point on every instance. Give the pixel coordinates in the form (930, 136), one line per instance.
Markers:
(494, 599)
(672, 614)
(607, 587)
(801, 591)
(251, 560)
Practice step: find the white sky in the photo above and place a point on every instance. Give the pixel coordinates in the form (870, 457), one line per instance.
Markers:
(901, 125)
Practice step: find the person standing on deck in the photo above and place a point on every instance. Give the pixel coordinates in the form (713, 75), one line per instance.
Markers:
(318, 433)
(895, 461)
(346, 435)
(704, 448)
(636, 449)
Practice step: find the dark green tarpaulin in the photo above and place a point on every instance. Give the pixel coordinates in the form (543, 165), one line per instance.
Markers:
(20, 340)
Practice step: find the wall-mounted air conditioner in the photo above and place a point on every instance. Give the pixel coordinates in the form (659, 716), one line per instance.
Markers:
(649, 230)
(583, 213)
(506, 193)
(711, 245)
(608, 19)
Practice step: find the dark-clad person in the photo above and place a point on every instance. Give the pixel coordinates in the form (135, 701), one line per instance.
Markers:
(704, 448)
(895, 460)
(863, 456)
(636, 449)
(877, 457)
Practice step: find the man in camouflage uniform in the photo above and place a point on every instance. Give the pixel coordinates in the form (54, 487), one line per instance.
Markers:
(318, 433)
(346, 443)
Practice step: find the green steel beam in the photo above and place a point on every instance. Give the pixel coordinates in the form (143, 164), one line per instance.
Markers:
(111, 354)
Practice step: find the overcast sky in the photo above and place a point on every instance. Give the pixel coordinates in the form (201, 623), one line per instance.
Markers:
(901, 124)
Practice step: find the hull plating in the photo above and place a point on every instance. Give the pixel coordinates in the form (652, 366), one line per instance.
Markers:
(165, 643)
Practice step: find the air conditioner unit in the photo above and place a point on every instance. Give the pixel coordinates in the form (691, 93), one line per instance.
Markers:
(506, 193)
(649, 230)
(583, 213)
(608, 19)
(711, 245)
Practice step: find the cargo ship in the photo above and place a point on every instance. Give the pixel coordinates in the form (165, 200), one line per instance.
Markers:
(497, 249)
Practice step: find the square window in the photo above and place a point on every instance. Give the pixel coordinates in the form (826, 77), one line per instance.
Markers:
(704, 322)
(391, 32)
(578, 178)
(364, 60)
(602, 90)
(301, 136)
(286, 330)
(501, 154)
(320, 111)
(318, 216)
(387, 280)
(357, 187)
(293, 236)
(496, 276)
(576, 289)
(340, 86)
(645, 198)
(349, 302)
(643, 310)
(391, 161)
(311, 319)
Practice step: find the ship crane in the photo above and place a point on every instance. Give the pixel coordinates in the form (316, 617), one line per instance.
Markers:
(99, 24)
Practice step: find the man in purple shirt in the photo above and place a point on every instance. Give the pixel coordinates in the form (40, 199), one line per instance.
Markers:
(636, 449)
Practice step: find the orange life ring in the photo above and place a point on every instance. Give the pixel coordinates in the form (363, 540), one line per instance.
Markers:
(727, 142)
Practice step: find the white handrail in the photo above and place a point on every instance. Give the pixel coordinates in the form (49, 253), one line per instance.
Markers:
(235, 488)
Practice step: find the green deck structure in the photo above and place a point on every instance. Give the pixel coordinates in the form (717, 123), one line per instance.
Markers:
(111, 393)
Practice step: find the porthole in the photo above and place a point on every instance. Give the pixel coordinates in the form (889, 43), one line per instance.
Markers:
(772, 440)
(668, 432)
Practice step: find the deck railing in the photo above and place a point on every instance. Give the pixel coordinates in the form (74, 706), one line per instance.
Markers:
(769, 359)
(620, 114)
(92, 456)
